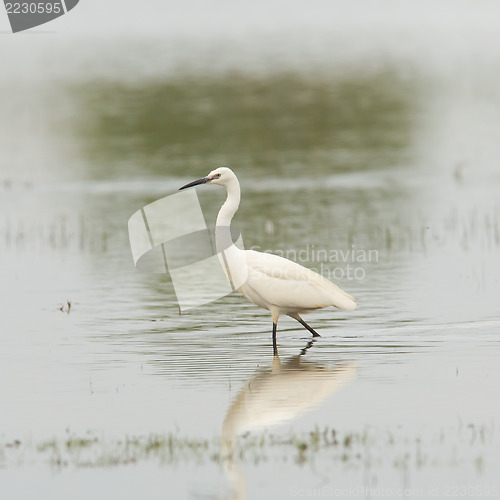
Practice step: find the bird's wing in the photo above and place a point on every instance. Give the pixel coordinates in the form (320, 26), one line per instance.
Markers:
(286, 284)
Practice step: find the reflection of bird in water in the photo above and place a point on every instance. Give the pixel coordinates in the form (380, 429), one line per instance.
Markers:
(269, 281)
(274, 396)
(281, 393)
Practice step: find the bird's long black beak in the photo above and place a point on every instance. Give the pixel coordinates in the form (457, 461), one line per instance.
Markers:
(196, 183)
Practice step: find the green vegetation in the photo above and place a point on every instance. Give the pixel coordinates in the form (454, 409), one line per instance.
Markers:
(355, 449)
(289, 121)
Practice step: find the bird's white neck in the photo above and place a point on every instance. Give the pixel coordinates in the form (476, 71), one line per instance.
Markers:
(231, 257)
(231, 204)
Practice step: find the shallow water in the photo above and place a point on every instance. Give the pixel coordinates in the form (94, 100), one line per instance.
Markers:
(395, 162)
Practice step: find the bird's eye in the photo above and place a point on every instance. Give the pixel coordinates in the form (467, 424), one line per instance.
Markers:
(217, 176)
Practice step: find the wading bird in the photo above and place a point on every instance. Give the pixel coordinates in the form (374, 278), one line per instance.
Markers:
(269, 281)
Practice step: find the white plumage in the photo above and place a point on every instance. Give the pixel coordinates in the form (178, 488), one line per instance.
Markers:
(282, 283)
(270, 281)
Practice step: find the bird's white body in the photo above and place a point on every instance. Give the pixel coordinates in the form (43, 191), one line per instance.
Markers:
(283, 286)
(270, 281)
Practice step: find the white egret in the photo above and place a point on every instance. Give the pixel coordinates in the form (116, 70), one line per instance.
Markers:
(270, 281)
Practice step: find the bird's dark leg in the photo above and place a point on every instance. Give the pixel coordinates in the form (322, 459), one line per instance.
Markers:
(305, 325)
(275, 346)
(312, 330)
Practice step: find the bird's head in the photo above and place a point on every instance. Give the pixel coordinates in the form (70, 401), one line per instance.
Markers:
(222, 176)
